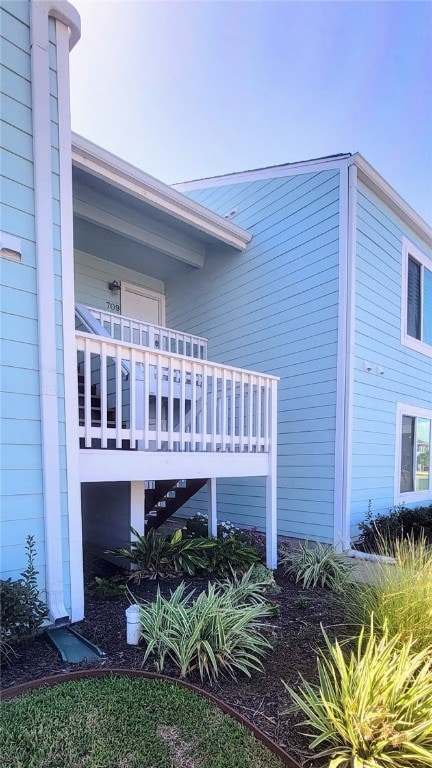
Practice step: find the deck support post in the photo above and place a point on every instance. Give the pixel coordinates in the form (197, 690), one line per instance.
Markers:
(271, 486)
(212, 507)
(137, 507)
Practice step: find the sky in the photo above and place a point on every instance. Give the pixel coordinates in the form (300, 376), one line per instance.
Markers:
(187, 90)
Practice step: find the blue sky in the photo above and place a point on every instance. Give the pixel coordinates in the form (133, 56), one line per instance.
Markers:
(191, 89)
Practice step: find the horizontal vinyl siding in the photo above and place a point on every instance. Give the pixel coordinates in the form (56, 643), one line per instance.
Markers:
(407, 374)
(274, 309)
(92, 276)
(21, 483)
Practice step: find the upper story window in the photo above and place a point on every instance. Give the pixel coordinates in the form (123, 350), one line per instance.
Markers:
(413, 471)
(416, 330)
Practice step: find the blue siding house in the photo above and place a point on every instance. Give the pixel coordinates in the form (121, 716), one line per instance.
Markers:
(255, 346)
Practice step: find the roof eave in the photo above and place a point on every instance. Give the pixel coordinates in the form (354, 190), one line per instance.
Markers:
(369, 176)
(112, 169)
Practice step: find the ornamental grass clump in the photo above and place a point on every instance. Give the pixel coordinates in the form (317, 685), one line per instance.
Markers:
(372, 707)
(317, 565)
(399, 594)
(215, 633)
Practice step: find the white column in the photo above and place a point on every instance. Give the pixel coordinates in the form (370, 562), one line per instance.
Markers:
(212, 507)
(137, 499)
(271, 485)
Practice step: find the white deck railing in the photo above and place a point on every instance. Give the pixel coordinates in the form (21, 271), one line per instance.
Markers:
(147, 335)
(169, 402)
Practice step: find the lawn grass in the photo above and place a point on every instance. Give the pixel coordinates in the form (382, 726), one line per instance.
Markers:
(121, 722)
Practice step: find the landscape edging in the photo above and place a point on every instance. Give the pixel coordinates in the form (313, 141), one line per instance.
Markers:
(17, 690)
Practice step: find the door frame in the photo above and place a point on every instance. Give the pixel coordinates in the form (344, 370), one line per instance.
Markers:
(148, 293)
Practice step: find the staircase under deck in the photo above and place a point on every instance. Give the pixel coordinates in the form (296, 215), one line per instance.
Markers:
(151, 414)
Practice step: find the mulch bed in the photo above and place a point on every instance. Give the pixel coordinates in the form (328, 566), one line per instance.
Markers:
(262, 699)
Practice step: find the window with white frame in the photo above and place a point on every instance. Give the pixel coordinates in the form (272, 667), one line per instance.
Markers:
(416, 331)
(413, 470)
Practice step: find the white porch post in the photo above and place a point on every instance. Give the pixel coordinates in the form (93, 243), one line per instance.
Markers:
(212, 507)
(271, 485)
(137, 499)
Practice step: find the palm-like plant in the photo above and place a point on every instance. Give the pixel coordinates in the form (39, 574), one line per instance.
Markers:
(156, 556)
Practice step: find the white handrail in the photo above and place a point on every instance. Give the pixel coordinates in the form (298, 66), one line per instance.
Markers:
(145, 334)
(170, 401)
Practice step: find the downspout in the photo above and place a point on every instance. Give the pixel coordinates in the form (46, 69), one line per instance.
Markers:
(39, 40)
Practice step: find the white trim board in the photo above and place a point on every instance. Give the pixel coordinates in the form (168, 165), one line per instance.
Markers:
(409, 249)
(375, 182)
(406, 409)
(112, 466)
(273, 172)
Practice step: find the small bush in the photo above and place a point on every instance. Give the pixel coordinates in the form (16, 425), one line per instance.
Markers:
(373, 707)
(157, 556)
(22, 610)
(229, 555)
(219, 632)
(400, 595)
(398, 523)
(109, 587)
(318, 565)
(265, 576)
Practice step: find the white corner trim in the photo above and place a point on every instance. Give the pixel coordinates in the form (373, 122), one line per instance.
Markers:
(345, 363)
(409, 249)
(261, 174)
(46, 310)
(66, 13)
(68, 317)
(369, 176)
(103, 164)
(407, 409)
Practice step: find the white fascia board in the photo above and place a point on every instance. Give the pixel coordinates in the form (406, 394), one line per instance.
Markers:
(132, 466)
(369, 176)
(97, 161)
(272, 172)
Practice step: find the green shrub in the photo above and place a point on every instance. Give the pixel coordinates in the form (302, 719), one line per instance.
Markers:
(22, 610)
(265, 576)
(107, 588)
(399, 522)
(400, 595)
(372, 707)
(317, 565)
(157, 556)
(230, 554)
(219, 632)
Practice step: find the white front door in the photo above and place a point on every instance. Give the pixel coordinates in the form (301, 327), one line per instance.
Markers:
(142, 304)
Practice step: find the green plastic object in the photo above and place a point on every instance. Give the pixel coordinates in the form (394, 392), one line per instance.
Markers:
(72, 646)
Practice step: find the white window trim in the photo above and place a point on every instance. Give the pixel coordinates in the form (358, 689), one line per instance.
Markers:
(409, 249)
(404, 409)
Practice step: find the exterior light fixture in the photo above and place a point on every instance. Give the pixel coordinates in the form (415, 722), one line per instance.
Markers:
(114, 287)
